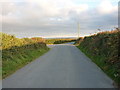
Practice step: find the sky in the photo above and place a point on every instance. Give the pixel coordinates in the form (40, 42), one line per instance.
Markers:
(57, 18)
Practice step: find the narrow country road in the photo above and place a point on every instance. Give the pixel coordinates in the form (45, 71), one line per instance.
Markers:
(64, 66)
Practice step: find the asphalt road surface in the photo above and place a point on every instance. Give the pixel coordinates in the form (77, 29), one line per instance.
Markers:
(64, 66)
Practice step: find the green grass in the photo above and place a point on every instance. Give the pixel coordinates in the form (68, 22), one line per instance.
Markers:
(18, 52)
(19, 60)
(100, 61)
(102, 49)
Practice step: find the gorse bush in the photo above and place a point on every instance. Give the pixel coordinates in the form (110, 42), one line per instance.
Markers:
(18, 52)
(9, 41)
(103, 49)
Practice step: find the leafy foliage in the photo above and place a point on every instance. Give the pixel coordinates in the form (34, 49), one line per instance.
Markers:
(18, 52)
(103, 49)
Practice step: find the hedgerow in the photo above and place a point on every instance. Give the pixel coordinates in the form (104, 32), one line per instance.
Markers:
(103, 49)
(18, 52)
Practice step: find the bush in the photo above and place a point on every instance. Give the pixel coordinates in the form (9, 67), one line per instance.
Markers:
(103, 49)
(18, 52)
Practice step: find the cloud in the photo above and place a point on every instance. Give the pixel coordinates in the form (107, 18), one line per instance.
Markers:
(38, 12)
(106, 7)
(57, 17)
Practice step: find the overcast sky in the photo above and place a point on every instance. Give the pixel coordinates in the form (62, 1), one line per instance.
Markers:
(57, 18)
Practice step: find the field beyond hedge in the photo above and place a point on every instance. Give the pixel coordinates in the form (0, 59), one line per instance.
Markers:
(18, 52)
(103, 49)
(59, 41)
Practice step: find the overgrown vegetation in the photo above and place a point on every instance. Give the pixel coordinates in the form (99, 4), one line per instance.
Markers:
(19, 52)
(59, 41)
(78, 41)
(103, 49)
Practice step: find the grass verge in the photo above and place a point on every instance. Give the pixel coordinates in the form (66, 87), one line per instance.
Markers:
(100, 61)
(19, 60)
